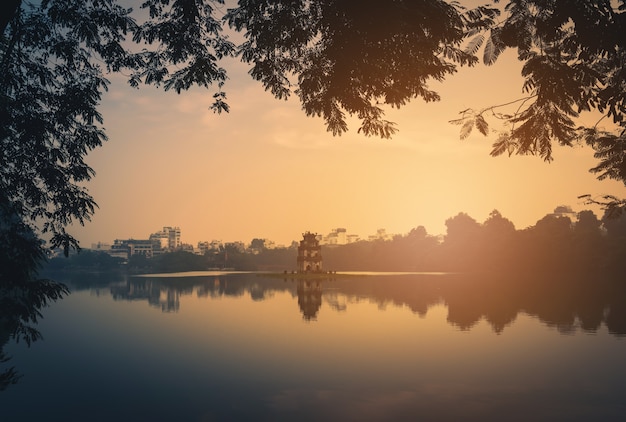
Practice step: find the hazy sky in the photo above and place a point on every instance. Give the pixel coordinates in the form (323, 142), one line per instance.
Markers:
(266, 170)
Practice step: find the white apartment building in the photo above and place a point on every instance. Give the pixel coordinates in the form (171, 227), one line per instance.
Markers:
(168, 238)
(339, 236)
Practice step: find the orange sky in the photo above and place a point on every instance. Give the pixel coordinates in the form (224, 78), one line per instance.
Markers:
(266, 170)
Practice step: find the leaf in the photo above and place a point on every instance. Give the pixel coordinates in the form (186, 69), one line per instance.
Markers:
(457, 121)
(504, 144)
(473, 46)
(467, 128)
(481, 124)
(493, 47)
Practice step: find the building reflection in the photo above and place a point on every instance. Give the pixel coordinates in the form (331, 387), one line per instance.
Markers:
(567, 303)
(155, 293)
(309, 298)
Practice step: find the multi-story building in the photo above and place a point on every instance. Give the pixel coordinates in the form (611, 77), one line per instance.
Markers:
(203, 247)
(339, 236)
(125, 248)
(168, 239)
(101, 246)
(336, 237)
(381, 234)
(351, 238)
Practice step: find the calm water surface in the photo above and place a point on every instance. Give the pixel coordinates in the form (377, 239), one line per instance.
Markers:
(367, 348)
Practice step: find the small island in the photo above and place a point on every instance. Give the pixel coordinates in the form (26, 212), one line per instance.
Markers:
(309, 262)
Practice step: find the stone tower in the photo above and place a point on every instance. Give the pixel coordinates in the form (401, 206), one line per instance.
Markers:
(309, 254)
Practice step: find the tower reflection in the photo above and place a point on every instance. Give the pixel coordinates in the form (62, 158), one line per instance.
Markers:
(309, 298)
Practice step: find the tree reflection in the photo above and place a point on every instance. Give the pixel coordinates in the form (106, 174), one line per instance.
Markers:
(567, 302)
(8, 376)
(23, 293)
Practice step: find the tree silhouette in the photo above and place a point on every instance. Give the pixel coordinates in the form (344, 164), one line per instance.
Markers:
(572, 55)
(338, 57)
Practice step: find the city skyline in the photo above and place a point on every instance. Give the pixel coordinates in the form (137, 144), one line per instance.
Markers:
(337, 236)
(267, 170)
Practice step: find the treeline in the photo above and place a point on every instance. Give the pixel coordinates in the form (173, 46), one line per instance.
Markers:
(226, 257)
(555, 243)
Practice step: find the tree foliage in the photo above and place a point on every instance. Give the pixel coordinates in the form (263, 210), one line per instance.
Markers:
(573, 56)
(348, 58)
(54, 56)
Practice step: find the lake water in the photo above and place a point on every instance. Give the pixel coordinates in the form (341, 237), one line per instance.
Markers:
(240, 347)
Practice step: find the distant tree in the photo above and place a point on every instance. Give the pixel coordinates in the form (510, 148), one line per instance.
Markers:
(95, 259)
(462, 229)
(589, 243)
(616, 238)
(139, 262)
(615, 227)
(499, 237)
(415, 250)
(418, 233)
(497, 224)
(275, 259)
(257, 244)
(554, 226)
(178, 261)
(548, 244)
(587, 224)
(463, 243)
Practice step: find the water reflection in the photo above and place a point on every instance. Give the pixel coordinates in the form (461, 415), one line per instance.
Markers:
(309, 298)
(234, 347)
(159, 296)
(8, 376)
(567, 303)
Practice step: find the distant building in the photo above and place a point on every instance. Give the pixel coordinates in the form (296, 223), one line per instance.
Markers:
(203, 247)
(168, 239)
(351, 238)
(101, 246)
(187, 248)
(381, 234)
(113, 250)
(125, 248)
(565, 211)
(339, 236)
(309, 253)
(335, 237)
